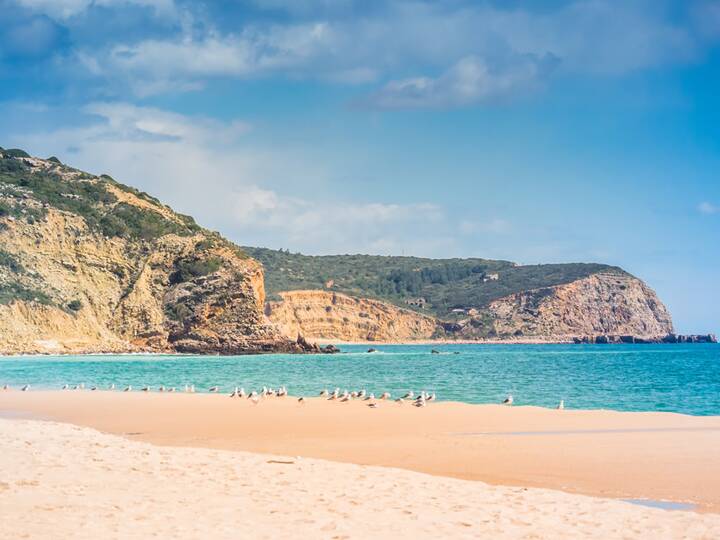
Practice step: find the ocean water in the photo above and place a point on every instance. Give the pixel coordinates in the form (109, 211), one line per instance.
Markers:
(680, 378)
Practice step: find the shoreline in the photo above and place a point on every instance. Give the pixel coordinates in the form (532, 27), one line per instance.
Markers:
(324, 342)
(622, 455)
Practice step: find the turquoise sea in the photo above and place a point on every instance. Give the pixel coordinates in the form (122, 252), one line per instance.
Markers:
(680, 378)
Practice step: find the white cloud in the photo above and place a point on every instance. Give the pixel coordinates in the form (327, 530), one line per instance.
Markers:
(469, 81)
(212, 170)
(708, 208)
(479, 50)
(64, 9)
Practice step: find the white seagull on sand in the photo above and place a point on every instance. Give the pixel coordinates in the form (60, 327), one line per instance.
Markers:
(128, 388)
(214, 389)
(324, 393)
(409, 395)
(26, 388)
(561, 405)
(508, 400)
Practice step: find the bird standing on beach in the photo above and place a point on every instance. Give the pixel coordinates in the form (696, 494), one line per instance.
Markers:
(236, 392)
(161, 389)
(241, 394)
(301, 400)
(508, 400)
(93, 388)
(431, 397)
(128, 388)
(370, 397)
(214, 389)
(26, 388)
(65, 386)
(385, 395)
(6, 387)
(373, 405)
(145, 388)
(561, 405)
(324, 393)
(112, 387)
(409, 395)
(400, 400)
(335, 394)
(171, 389)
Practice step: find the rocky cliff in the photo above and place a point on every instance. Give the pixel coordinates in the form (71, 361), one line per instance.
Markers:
(601, 304)
(334, 316)
(615, 304)
(90, 265)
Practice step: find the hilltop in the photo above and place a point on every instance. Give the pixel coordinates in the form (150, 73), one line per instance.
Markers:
(88, 264)
(466, 298)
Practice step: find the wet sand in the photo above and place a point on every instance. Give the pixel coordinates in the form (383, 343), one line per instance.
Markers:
(659, 456)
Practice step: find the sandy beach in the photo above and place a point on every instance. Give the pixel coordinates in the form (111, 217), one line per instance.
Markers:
(659, 456)
(63, 481)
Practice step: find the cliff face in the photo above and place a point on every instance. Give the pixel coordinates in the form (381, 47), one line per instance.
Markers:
(335, 316)
(600, 304)
(89, 265)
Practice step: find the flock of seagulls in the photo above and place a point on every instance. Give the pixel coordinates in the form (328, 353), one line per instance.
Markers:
(419, 400)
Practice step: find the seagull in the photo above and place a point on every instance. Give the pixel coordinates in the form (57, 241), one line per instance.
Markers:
(508, 400)
(253, 395)
(214, 389)
(161, 389)
(345, 396)
(400, 400)
(241, 394)
(192, 389)
(370, 397)
(171, 389)
(112, 387)
(362, 394)
(354, 394)
(409, 395)
(301, 400)
(561, 405)
(6, 387)
(236, 392)
(128, 388)
(283, 391)
(335, 394)
(65, 386)
(254, 398)
(76, 387)
(145, 388)
(93, 388)
(385, 395)
(26, 388)
(431, 397)
(82, 386)
(324, 393)
(420, 402)
(373, 405)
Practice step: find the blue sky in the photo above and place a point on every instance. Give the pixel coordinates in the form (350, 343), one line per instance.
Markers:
(545, 131)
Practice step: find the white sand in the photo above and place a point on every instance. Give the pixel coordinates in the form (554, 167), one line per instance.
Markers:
(61, 481)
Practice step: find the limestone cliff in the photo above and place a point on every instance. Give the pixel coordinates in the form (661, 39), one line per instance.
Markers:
(90, 265)
(614, 304)
(335, 316)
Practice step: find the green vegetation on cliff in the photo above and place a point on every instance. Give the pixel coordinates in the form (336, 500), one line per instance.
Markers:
(84, 195)
(444, 284)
